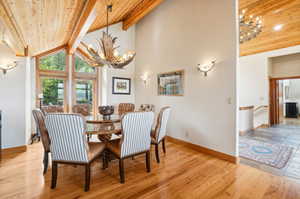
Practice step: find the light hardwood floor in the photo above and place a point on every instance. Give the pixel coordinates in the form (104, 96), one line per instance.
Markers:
(182, 173)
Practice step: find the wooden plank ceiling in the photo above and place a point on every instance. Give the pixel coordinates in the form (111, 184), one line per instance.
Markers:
(43, 25)
(280, 13)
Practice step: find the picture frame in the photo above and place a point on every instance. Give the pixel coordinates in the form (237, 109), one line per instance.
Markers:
(171, 83)
(121, 86)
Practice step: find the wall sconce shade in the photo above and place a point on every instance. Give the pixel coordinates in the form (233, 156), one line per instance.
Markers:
(206, 68)
(145, 78)
(8, 67)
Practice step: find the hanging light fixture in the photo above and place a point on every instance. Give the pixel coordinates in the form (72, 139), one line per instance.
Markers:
(250, 26)
(107, 53)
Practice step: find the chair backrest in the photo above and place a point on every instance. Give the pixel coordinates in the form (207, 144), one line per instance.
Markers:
(161, 125)
(136, 130)
(125, 108)
(52, 109)
(83, 109)
(67, 135)
(40, 123)
(147, 107)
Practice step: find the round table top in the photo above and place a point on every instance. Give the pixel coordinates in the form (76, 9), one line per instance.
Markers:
(103, 128)
(99, 119)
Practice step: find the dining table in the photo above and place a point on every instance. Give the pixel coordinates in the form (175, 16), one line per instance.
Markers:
(104, 129)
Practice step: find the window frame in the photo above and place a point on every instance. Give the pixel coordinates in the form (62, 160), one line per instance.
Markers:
(67, 76)
(55, 74)
(94, 77)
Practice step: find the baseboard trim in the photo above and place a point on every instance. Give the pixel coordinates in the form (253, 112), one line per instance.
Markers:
(18, 149)
(202, 149)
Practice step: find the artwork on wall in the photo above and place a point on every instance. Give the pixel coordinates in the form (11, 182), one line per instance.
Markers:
(121, 86)
(171, 83)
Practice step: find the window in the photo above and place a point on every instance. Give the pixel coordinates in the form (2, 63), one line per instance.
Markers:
(64, 89)
(85, 84)
(52, 75)
(82, 67)
(53, 91)
(54, 62)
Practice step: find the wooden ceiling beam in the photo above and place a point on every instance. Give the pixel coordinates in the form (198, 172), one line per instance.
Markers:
(14, 37)
(85, 21)
(141, 10)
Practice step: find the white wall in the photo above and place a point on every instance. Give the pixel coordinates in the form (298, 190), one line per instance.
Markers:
(253, 80)
(12, 101)
(285, 66)
(179, 35)
(126, 40)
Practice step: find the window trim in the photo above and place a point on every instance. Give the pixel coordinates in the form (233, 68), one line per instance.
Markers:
(85, 76)
(56, 74)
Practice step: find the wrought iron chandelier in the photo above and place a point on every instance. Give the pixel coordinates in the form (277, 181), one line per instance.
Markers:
(250, 27)
(107, 53)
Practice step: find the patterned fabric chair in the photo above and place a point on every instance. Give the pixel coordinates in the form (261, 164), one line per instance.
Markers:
(52, 109)
(147, 107)
(69, 144)
(82, 109)
(136, 139)
(159, 133)
(125, 108)
(40, 123)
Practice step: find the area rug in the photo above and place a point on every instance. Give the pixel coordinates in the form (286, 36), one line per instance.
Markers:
(272, 154)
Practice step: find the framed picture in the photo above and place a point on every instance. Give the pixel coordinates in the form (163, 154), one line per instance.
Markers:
(171, 83)
(121, 86)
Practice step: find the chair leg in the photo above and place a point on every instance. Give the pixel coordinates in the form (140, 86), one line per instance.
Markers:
(164, 145)
(87, 177)
(105, 159)
(54, 175)
(157, 153)
(148, 166)
(121, 168)
(45, 161)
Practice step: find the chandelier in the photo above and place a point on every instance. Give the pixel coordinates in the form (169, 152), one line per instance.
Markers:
(107, 53)
(250, 27)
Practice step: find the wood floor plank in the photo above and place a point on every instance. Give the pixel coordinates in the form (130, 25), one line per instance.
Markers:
(182, 173)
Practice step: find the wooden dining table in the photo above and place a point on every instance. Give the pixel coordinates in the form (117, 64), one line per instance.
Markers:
(104, 129)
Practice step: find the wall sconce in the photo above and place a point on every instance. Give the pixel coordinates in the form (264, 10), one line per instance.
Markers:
(8, 67)
(206, 68)
(145, 78)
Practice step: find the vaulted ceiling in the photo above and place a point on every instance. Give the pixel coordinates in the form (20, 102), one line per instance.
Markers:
(281, 25)
(46, 24)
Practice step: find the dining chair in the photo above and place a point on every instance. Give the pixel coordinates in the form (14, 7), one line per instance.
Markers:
(52, 109)
(135, 140)
(83, 109)
(125, 108)
(69, 144)
(41, 128)
(159, 133)
(147, 107)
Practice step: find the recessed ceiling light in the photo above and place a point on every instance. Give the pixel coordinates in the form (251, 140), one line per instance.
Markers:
(278, 27)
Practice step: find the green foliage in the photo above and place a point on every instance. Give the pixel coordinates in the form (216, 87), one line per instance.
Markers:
(53, 91)
(54, 62)
(82, 66)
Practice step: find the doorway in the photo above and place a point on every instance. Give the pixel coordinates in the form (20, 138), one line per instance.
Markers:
(284, 101)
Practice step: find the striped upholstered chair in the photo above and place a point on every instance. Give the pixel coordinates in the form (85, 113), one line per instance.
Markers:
(69, 144)
(40, 123)
(159, 133)
(135, 140)
(125, 108)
